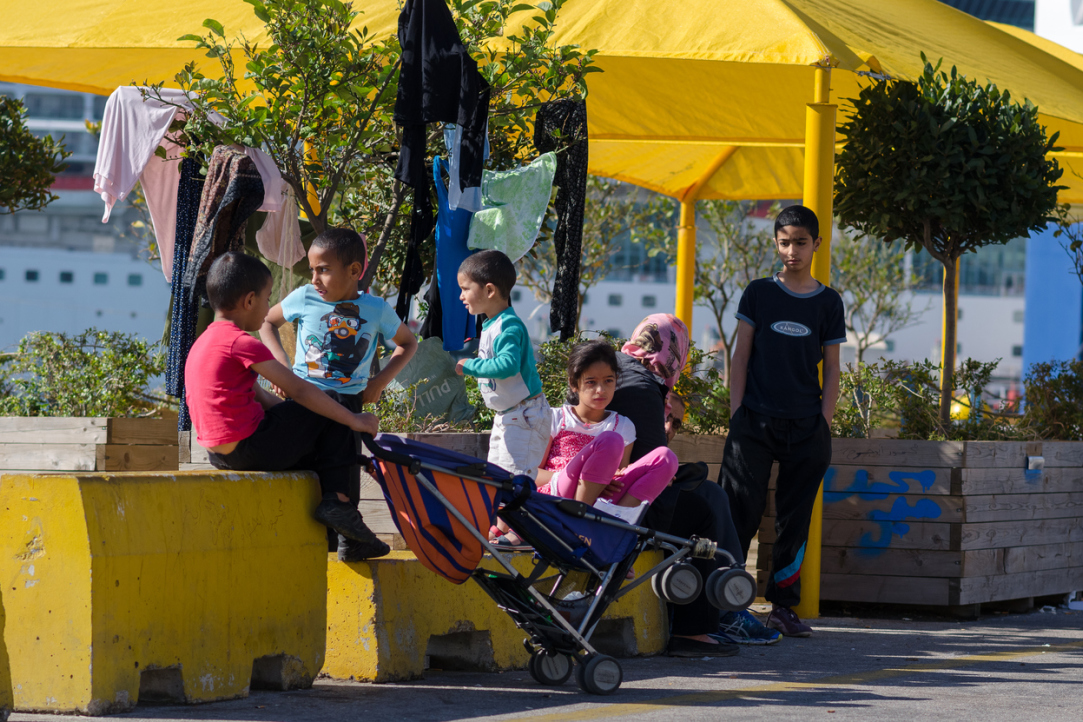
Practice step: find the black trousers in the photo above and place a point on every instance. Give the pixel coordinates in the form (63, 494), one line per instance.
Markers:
(802, 448)
(353, 403)
(292, 437)
(694, 505)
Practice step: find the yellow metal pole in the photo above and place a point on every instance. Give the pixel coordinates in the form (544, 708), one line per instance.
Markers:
(686, 238)
(819, 197)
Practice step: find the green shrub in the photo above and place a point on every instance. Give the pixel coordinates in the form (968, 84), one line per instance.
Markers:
(95, 373)
(1054, 400)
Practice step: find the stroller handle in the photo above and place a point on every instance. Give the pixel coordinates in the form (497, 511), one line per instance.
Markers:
(414, 465)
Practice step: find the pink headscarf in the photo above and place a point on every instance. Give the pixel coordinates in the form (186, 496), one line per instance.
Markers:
(662, 340)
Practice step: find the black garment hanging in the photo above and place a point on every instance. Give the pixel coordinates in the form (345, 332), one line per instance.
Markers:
(438, 82)
(434, 319)
(570, 118)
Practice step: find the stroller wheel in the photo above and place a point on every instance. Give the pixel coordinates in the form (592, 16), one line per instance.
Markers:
(551, 669)
(681, 584)
(599, 674)
(731, 589)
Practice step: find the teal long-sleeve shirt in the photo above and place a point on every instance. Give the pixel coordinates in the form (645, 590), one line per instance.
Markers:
(505, 368)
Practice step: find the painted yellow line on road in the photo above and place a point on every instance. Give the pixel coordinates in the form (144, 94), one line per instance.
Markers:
(842, 680)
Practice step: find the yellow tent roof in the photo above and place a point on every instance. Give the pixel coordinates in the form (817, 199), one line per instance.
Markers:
(683, 80)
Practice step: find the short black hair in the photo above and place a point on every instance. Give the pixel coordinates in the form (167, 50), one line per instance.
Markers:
(583, 356)
(347, 245)
(800, 217)
(490, 266)
(233, 276)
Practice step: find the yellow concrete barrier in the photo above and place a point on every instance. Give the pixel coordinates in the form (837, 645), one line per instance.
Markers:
(183, 587)
(385, 616)
(5, 667)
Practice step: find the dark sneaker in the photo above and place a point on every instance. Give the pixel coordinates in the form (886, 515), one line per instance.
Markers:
(786, 621)
(742, 628)
(351, 550)
(684, 647)
(344, 518)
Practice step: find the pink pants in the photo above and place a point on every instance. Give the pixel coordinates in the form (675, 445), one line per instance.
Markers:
(598, 461)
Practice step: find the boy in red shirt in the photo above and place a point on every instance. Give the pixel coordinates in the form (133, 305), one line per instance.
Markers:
(244, 427)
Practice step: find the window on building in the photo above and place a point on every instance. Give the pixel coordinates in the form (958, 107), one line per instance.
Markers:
(100, 279)
(1, 274)
(890, 344)
(516, 296)
(54, 105)
(67, 277)
(1017, 351)
(614, 332)
(32, 276)
(135, 279)
(1019, 316)
(650, 301)
(960, 314)
(584, 299)
(616, 299)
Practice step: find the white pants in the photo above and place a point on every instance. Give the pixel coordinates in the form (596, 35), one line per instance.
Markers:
(520, 436)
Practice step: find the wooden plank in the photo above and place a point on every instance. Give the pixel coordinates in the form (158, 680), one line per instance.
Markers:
(878, 535)
(197, 454)
(143, 431)
(978, 590)
(841, 478)
(707, 448)
(184, 444)
(47, 457)
(884, 589)
(1062, 453)
(50, 430)
(377, 516)
(1042, 556)
(995, 454)
(902, 562)
(891, 507)
(130, 457)
(898, 453)
(1021, 507)
(977, 482)
(999, 534)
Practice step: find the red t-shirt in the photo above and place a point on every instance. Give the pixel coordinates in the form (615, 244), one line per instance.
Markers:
(218, 379)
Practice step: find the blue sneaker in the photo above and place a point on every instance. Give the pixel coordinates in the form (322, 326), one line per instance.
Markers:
(742, 628)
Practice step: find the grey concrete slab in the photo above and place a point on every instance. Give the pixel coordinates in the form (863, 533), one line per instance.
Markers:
(999, 667)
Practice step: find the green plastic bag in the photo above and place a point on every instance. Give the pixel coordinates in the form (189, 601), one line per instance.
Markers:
(439, 391)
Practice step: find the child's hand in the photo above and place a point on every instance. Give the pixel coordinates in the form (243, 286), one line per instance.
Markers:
(279, 392)
(459, 366)
(616, 487)
(366, 423)
(371, 393)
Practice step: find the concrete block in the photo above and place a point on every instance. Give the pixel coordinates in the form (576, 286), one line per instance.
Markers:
(6, 700)
(385, 616)
(181, 587)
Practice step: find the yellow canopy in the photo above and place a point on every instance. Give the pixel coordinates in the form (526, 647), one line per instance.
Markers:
(684, 80)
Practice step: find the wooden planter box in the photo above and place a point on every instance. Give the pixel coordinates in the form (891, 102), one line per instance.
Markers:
(87, 444)
(948, 523)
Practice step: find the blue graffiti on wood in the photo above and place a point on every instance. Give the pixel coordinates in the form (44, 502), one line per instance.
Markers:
(889, 523)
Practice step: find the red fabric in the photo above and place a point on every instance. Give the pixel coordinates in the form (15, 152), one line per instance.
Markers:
(218, 379)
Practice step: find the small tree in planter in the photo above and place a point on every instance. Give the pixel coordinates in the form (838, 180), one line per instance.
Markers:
(946, 165)
(28, 164)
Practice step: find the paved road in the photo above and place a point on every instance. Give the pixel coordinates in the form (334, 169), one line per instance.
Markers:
(1000, 667)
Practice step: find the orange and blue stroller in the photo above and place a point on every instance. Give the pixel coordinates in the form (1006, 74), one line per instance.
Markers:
(444, 502)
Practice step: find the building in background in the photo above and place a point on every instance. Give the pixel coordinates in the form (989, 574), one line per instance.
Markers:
(62, 269)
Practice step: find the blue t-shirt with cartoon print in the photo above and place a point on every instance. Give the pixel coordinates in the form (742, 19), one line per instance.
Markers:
(336, 340)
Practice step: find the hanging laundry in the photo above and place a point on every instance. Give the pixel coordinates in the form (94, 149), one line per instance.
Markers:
(569, 117)
(452, 229)
(518, 200)
(133, 127)
(432, 326)
(185, 312)
(458, 198)
(233, 191)
(279, 238)
(413, 271)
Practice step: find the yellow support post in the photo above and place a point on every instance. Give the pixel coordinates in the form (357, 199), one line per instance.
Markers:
(819, 196)
(686, 238)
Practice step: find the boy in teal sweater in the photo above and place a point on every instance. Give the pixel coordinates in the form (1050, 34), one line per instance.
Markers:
(505, 368)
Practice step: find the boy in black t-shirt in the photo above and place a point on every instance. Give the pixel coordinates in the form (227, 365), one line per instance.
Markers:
(787, 324)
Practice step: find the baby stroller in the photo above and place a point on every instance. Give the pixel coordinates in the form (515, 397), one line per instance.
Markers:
(444, 502)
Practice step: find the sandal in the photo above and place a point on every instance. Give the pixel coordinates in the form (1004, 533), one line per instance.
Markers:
(511, 542)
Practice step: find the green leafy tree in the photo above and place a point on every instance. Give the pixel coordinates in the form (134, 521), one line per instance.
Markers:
(28, 164)
(319, 99)
(94, 373)
(874, 280)
(612, 210)
(946, 165)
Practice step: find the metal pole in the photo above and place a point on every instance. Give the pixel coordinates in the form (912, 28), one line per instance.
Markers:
(819, 196)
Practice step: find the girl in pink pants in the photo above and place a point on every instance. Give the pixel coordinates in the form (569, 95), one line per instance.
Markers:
(596, 465)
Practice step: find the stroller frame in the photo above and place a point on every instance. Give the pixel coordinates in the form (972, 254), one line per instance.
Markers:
(554, 641)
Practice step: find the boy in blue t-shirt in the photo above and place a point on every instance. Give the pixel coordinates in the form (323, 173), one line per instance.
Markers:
(505, 368)
(338, 333)
(787, 324)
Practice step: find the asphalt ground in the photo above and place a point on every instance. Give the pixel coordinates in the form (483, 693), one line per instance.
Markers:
(860, 664)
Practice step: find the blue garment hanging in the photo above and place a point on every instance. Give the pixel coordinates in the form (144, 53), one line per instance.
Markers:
(452, 229)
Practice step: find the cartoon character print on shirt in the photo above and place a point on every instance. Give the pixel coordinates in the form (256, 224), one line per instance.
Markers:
(338, 354)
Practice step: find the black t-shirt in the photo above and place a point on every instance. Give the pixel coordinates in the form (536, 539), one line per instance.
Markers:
(790, 331)
(641, 397)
